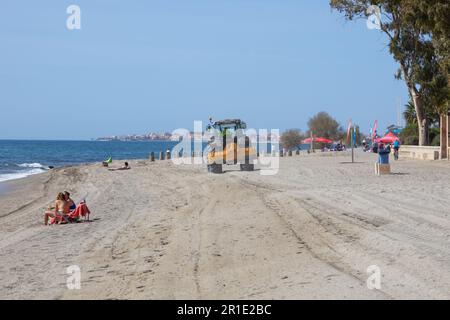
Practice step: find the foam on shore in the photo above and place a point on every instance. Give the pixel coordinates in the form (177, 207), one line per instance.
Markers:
(23, 170)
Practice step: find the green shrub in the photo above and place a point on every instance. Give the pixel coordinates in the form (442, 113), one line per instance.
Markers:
(411, 141)
(435, 139)
(436, 142)
(409, 135)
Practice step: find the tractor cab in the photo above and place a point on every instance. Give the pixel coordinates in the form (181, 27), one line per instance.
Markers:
(227, 126)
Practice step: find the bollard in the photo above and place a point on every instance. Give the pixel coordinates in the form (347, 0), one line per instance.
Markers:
(281, 154)
(161, 155)
(152, 156)
(290, 153)
(168, 154)
(297, 152)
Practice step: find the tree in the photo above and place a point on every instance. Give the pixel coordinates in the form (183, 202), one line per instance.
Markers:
(410, 114)
(411, 119)
(409, 134)
(324, 126)
(434, 16)
(358, 135)
(291, 139)
(412, 47)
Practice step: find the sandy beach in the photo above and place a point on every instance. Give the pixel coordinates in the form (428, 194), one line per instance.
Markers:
(162, 231)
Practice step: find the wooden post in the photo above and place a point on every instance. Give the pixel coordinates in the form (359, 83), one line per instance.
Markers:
(290, 153)
(281, 153)
(152, 156)
(353, 144)
(168, 154)
(297, 152)
(444, 136)
(161, 155)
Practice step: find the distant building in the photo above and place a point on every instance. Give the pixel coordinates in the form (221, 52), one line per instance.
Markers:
(139, 137)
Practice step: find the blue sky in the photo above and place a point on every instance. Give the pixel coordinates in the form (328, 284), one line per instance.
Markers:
(140, 66)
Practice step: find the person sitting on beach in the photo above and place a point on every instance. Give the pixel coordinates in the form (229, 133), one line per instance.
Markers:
(375, 147)
(71, 203)
(125, 167)
(61, 208)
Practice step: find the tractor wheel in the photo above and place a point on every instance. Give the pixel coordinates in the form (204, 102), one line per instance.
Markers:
(215, 168)
(247, 167)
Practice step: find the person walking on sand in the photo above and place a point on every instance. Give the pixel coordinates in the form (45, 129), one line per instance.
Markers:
(396, 149)
(60, 210)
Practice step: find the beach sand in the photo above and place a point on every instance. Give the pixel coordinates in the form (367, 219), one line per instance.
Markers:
(162, 231)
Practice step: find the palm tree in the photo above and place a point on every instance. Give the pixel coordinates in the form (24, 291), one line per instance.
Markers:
(410, 113)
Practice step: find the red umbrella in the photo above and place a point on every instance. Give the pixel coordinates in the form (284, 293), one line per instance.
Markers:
(318, 140)
(389, 138)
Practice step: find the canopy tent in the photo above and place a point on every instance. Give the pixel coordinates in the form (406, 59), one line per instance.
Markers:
(318, 140)
(389, 138)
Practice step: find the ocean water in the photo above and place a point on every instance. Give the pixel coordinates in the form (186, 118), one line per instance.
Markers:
(21, 158)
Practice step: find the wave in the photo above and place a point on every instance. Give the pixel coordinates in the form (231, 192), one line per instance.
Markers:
(31, 165)
(20, 174)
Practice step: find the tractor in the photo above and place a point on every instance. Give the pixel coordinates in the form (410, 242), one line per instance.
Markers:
(229, 145)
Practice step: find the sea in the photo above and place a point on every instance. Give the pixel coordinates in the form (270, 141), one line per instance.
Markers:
(21, 158)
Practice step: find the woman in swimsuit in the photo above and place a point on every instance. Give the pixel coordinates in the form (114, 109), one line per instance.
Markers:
(72, 205)
(61, 209)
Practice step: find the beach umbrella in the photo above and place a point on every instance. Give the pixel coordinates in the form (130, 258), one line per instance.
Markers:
(389, 138)
(318, 140)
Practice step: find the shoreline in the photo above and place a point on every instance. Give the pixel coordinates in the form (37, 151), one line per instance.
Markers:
(22, 158)
(2, 187)
(5, 182)
(19, 176)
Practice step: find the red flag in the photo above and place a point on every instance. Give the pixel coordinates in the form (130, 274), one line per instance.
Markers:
(374, 131)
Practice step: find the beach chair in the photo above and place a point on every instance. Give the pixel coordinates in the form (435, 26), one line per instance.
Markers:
(107, 162)
(80, 211)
